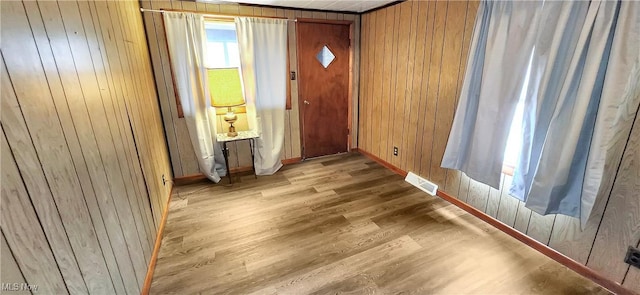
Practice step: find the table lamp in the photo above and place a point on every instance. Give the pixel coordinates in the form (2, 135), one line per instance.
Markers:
(226, 91)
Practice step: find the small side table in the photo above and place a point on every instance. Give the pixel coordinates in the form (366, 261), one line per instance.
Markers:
(242, 135)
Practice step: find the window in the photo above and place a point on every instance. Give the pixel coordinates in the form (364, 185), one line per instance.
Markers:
(514, 141)
(222, 51)
(222, 45)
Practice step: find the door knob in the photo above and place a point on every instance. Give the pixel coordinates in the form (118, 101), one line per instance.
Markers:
(306, 102)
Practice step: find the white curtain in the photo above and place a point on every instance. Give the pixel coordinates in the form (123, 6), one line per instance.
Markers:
(262, 44)
(572, 99)
(185, 39)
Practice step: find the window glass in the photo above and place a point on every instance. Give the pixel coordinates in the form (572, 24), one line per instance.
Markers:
(234, 54)
(215, 56)
(222, 45)
(514, 140)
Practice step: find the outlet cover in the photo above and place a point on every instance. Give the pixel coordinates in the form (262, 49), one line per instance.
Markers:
(633, 257)
(395, 150)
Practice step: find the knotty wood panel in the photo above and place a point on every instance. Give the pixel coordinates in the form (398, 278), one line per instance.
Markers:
(444, 30)
(183, 157)
(83, 150)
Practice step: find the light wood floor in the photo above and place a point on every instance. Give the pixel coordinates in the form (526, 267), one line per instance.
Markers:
(342, 224)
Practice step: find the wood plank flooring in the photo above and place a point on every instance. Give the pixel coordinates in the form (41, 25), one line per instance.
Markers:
(341, 224)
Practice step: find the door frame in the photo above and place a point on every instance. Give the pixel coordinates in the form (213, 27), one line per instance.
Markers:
(352, 47)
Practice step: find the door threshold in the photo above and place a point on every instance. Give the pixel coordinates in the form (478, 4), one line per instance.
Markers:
(325, 156)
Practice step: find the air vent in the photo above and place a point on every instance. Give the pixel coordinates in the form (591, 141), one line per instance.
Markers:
(421, 183)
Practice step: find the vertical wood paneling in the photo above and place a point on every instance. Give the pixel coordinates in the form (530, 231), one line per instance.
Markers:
(540, 227)
(152, 26)
(72, 139)
(464, 188)
(146, 114)
(478, 194)
(632, 279)
(131, 172)
(508, 205)
(447, 88)
(453, 176)
(36, 185)
(411, 132)
(523, 216)
(620, 225)
(112, 66)
(89, 97)
(184, 150)
(370, 68)
(83, 149)
(9, 269)
(423, 119)
(408, 85)
(433, 82)
(493, 203)
(443, 31)
(183, 158)
(293, 114)
(355, 71)
(288, 145)
(26, 73)
(365, 43)
(23, 232)
(403, 33)
(387, 88)
(379, 54)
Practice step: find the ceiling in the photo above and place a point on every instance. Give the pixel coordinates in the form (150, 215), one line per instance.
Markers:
(333, 5)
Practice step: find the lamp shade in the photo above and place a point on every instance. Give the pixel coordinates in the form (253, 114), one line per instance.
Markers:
(225, 87)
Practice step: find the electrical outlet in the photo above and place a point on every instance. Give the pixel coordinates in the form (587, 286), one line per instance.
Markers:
(395, 150)
(633, 257)
(164, 180)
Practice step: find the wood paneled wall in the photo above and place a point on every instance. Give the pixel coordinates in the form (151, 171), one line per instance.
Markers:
(412, 67)
(83, 150)
(183, 158)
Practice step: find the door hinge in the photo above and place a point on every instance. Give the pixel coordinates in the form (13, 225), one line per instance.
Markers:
(348, 131)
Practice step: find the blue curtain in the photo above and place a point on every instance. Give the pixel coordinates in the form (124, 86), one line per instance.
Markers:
(568, 97)
(497, 66)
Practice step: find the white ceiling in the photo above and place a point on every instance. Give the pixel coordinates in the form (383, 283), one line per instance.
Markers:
(335, 5)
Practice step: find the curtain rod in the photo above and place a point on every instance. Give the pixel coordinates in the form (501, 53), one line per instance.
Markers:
(230, 16)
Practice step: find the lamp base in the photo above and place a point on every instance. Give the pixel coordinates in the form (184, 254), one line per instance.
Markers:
(232, 132)
(231, 118)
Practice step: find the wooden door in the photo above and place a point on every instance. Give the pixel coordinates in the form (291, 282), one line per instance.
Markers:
(324, 88)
